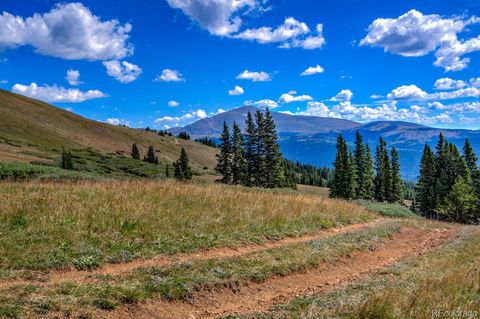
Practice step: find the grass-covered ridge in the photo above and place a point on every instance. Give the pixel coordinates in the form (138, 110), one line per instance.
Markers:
(48, 225)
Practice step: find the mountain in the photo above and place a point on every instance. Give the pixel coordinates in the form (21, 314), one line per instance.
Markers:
(312, 139)
(32, 130)
(212, 126)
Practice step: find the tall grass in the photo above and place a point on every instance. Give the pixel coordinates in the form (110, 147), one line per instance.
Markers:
(47, 225)
(18, 171)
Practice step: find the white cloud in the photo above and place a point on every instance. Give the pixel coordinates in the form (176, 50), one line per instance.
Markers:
(318, 109)
(407, 92)
(263, 103)
(437, 106)
(254, 76)
(376, 96)
(181, 120)
(457, 94)
(219, 17)
(68, 31)
(173, 103)
(238, 90)
(117, 121)
(343, 95)
(290, 97)
(169, 75)
(73, 77)
(449, 84)
(475, 82)
(313, 70)
(122, 71)
(291, 34)
(56, 94)
(415, 34)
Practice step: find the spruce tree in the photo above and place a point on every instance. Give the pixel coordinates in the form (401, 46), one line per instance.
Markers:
(360, 158)
(150, 155)
(471, 161)
(238, 165)
(443, 183)
(249, 150)
(341, 183)
(380, 171)
(272, 152)
(368, 175)
(224, 157)
(387, 174)
(259, 168)
(460, 203)
(351, 176)
(135, 152)
(426, 197)
(397, 184)
(67, 160)
(183, 171)
(167, 171)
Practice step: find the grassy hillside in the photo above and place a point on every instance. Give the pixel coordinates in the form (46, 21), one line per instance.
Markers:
(31, 130)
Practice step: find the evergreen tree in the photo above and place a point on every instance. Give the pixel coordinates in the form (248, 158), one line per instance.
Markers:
(238, 165)
(427, 198)
(380, 171)
(471, 161)
(397, 185)
(67, 160)
(249, 151)
(224, 157)
(135, 152)
(167, 171)
(368, 175)
(150, 157)
(272, 152)
(460, 203)
(360, 161)
(259, 168)
(342, 176)
(183, 171)
(351, 176)
(387, 169)
(442, 185)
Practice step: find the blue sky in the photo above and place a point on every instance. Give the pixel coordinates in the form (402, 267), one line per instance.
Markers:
(165, 63)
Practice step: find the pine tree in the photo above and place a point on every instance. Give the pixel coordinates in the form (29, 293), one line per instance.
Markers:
(272, 152)
(368, 175)
(397, 184)
(259, 168)
(471, 161)
(360, 158)
(351, 176)
(135, 152)
(443, 184)
(249, 151)
(460, 203)
(342, 176)
(224, 157)
(380, 171)
(427, 198)
(150, 158)
(238, 165)
(183, 171)
(167, 171)
(387, 174)
(67, 160)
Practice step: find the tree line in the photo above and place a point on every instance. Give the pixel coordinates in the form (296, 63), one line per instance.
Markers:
(252, 158)
(357, 176)
(307, 174)
(449, 183)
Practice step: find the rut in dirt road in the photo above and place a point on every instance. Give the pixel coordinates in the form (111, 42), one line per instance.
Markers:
(408, 242)
(116, 269)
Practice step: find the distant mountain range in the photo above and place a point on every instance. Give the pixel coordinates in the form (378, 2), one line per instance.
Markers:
(311, 139)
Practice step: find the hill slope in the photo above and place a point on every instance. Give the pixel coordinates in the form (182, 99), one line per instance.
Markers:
(32, 130)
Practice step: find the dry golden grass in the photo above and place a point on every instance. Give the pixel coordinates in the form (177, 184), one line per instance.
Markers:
(47, 225)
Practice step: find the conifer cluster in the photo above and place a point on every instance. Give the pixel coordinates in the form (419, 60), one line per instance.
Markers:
(253, 158)
(354, 175)
(182, 170)
(449, 183)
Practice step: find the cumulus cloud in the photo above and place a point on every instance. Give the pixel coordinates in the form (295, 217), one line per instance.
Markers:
(449, 84)
(313, 70)
(68, 31)
(168, 121)
(407, 92)
(475, 82)
(290, 34)
(238, 90)
(318, 109)
(173, 103)
(343, 95)
(56, 94)
(169, 75)
(254, 76)
(73, 77)
(117, 121)
(122, 71)
(262, 103)
(414, 34)
(290, 97)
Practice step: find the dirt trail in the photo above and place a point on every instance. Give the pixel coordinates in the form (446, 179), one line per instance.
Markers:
(116, 269)
(260, 297)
